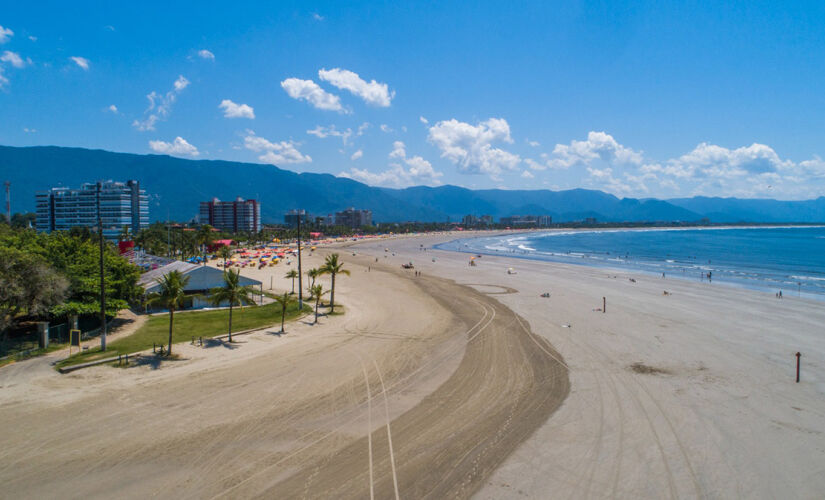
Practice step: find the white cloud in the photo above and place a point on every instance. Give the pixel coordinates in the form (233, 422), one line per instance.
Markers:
(277, 153)
(317, 16)
(5, 34)
(598, 146)
(398, 150)
(233, 110)
(423, 120)
(533, 144)
(178, 147)
(29, 130)
(324, 132)
(160, 105)
(419, 171)
(470, 146)
(373, 93)
(205, 54)
(527, 175)
(332, 131)
(13, 58)
(112, 108)
(309, 91)
(3, 80)
(181, 83)
(709, 160)
(386, 128)
(31, 37)
(357, 155)
(708, 169)
(81, 61)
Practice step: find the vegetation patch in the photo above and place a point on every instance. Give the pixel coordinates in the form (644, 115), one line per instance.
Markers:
(189, 324)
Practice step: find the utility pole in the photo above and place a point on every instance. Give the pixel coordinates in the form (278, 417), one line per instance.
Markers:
(8, 201)
(300, 275)
(102, 276)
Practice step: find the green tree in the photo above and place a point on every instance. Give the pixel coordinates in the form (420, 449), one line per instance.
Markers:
(318, 292)
(23, 220)
(27, 285)
(171, 296)
(333, 267)
(292, 274)
(284, 301)
(205, 236)
(225, 253)
(233, 292)
(124, 234)
(313, 274)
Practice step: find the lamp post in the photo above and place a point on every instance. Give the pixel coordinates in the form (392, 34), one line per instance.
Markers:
(300, 274)
(102, 276)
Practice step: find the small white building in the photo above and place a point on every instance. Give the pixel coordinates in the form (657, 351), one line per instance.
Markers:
(202, 279)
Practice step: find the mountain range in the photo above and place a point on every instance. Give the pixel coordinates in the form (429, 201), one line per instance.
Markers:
(177, 185)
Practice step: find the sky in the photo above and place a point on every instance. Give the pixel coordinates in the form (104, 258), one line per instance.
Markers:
(654, 99)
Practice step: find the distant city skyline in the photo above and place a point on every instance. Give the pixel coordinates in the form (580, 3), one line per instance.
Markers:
(648, 100)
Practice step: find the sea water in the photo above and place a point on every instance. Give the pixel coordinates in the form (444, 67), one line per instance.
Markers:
(790, 259)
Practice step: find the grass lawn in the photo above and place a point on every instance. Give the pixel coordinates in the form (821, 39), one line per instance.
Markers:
(189, 324)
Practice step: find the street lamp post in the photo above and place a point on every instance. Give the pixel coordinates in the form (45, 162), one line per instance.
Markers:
(102, 276)
(300, 275)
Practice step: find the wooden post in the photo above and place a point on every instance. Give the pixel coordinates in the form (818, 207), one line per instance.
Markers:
(604, 305)
(798, 355)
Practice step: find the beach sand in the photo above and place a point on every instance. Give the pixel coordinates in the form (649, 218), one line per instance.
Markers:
(451, 384)
(691, 394)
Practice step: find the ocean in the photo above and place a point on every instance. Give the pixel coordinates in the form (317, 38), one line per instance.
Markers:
(790, 259)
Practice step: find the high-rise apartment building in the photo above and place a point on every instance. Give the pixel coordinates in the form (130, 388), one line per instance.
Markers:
(121, 204)
(232, 216)
(353, 218)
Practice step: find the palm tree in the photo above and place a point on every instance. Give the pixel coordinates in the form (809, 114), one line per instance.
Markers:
(205, 237)
(318, 292)
(284, 301)
(313, 274)
(233, 292)
(292, 274)
(225, 253)
(124, 234)
(333, 266)
(170, 296)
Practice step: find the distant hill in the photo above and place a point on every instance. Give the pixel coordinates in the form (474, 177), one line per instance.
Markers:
(176, 186)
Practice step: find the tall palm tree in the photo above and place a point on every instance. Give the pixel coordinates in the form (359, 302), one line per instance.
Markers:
(313, 274)
(318, 292)
(225, 253)
(205, 237)
(170, 296)
(333, 267)
(292, 274)
(233, 292)
(284, 301)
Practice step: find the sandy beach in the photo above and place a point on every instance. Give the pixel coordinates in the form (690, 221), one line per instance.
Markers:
(460, 382)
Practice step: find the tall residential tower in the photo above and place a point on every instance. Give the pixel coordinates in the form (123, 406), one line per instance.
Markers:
(121, 204)
(232, 216)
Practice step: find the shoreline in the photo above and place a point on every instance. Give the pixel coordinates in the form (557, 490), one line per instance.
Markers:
(763, 286)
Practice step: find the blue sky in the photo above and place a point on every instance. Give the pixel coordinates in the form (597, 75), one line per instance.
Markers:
(657, 99)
